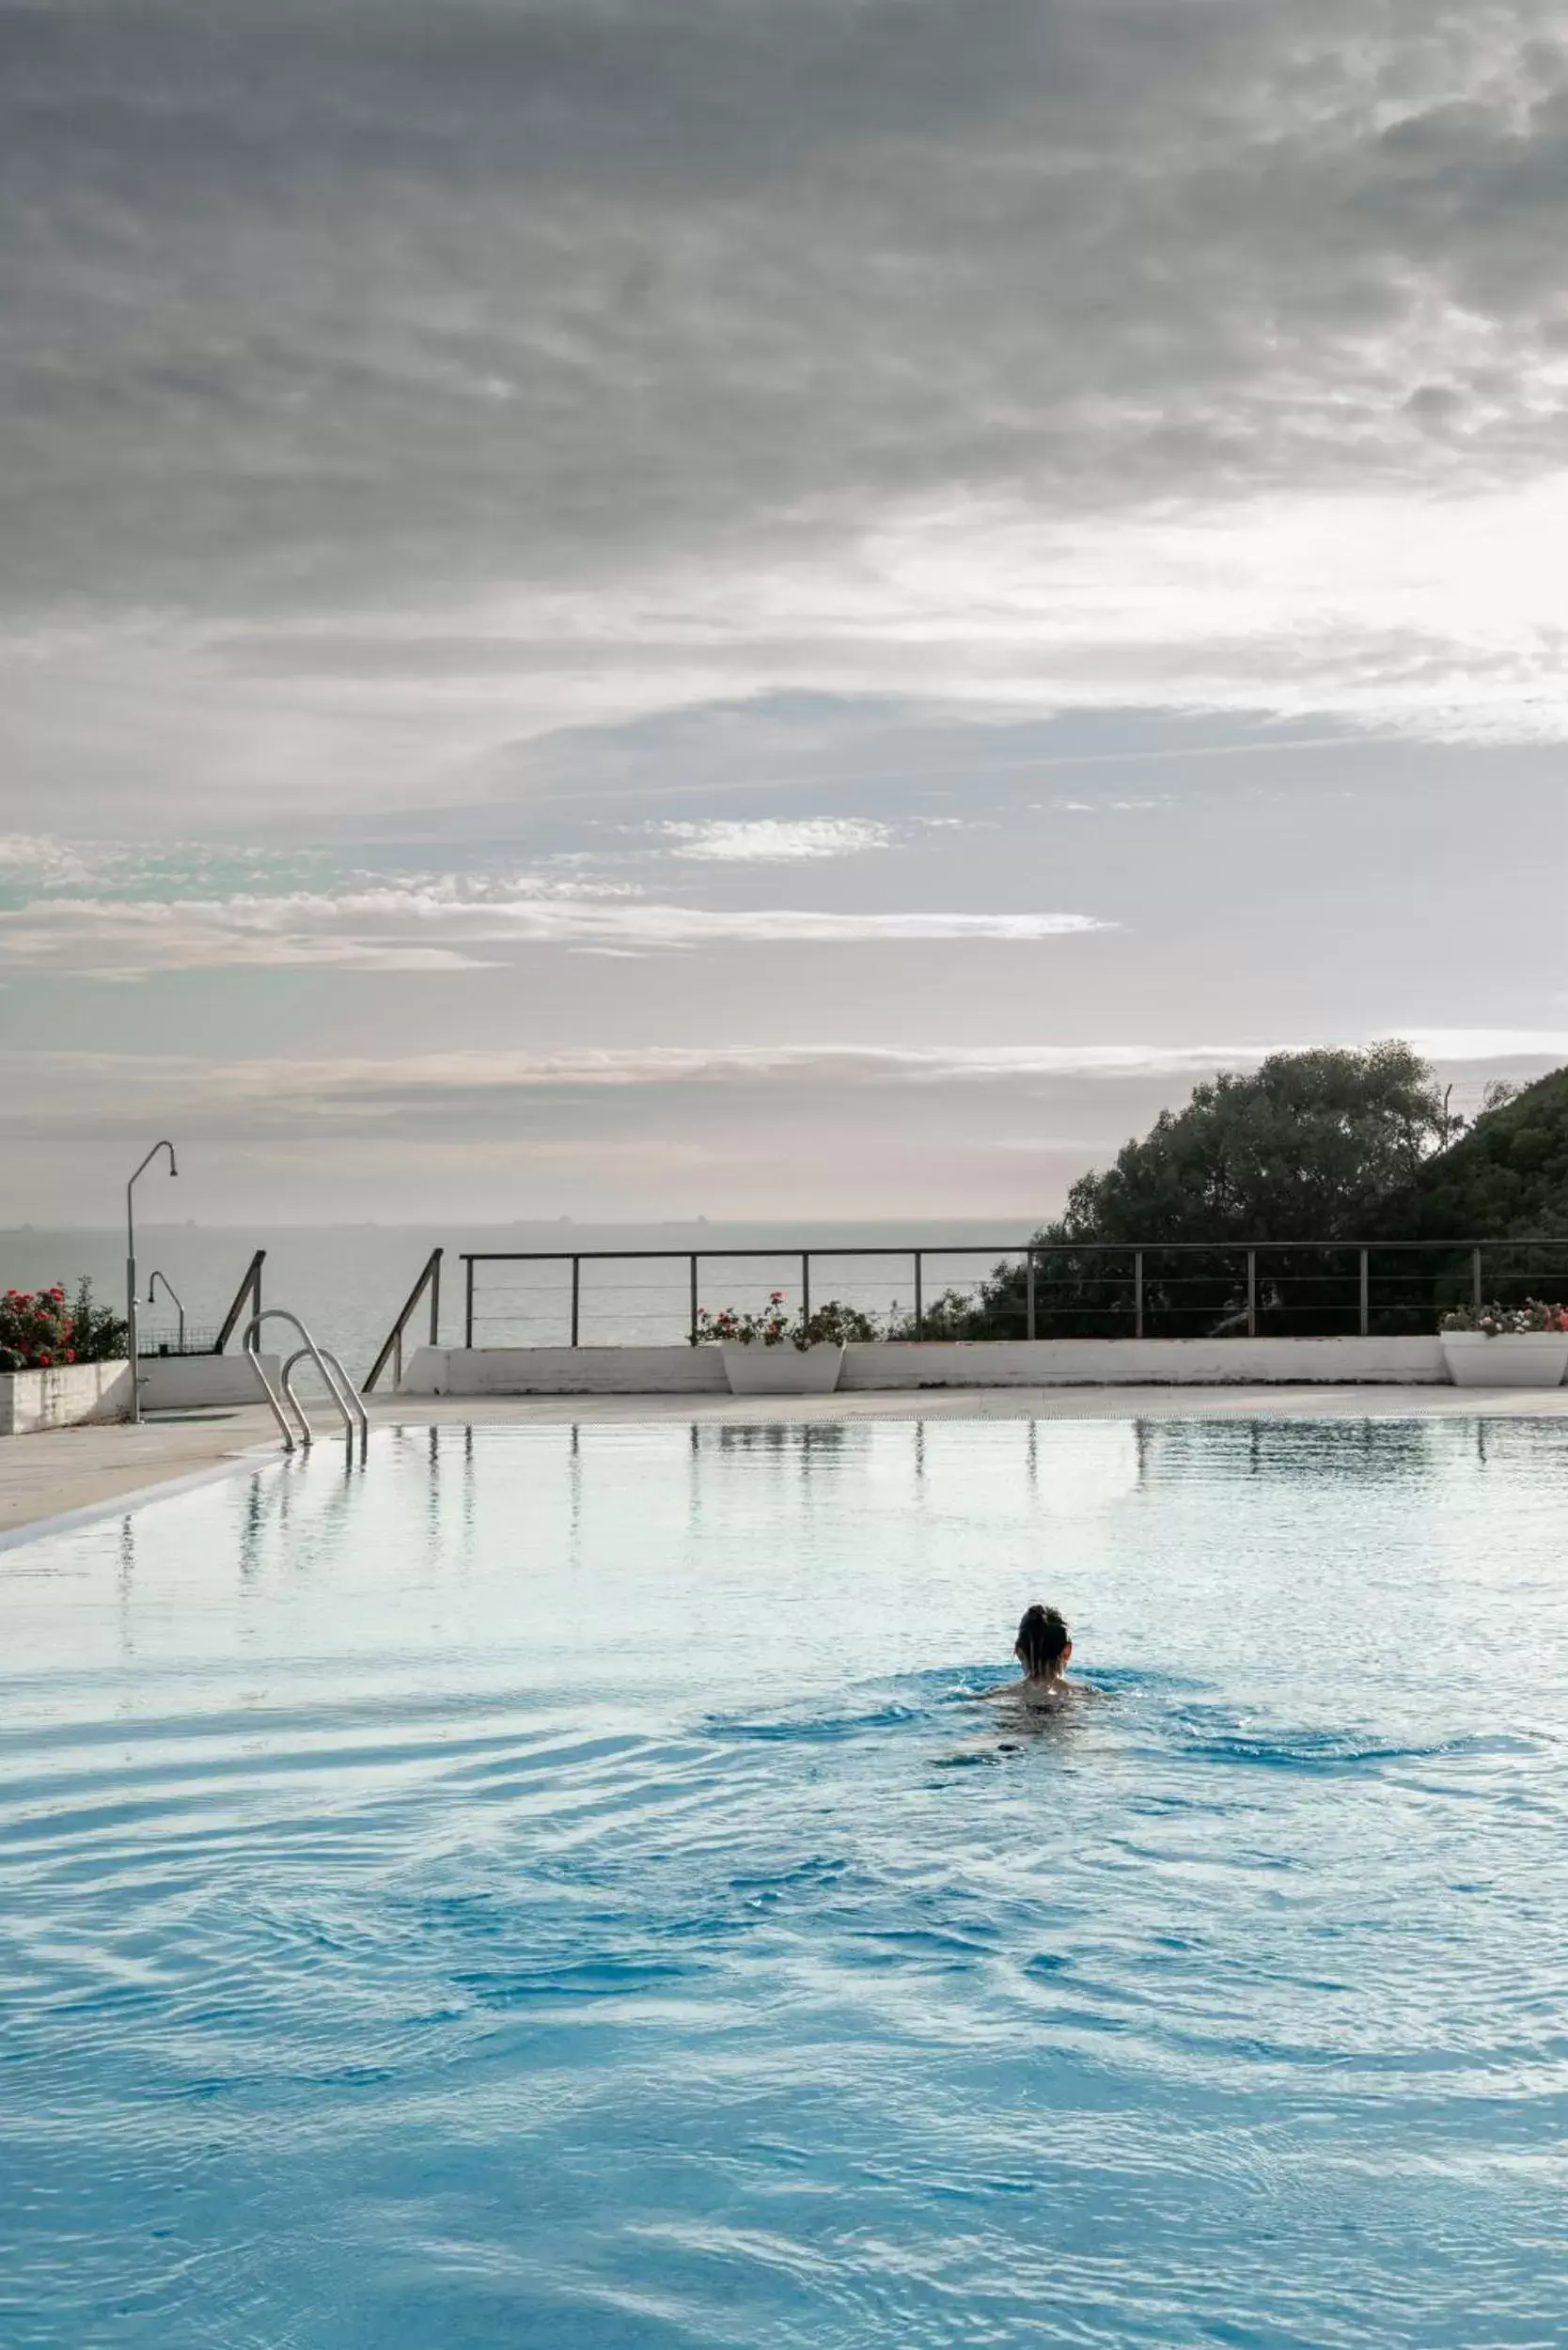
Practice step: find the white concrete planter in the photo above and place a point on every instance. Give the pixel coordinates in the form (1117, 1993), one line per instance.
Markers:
(782, 1369)
(64, 1397)
(1513, 1358)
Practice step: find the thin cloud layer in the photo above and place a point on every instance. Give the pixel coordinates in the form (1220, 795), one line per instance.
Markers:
(438, 929)
(300, 1091)
(775, 841)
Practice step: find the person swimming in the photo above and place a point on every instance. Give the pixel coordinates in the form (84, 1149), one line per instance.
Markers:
(1044, 1648)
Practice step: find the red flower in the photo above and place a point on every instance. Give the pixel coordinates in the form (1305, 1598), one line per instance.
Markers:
(46, 1361)
(70, 1355)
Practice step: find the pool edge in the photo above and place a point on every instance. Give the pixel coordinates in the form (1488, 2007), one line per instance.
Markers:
(137, 1497)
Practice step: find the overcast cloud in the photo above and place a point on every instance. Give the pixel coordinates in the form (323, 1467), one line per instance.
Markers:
(726, 524)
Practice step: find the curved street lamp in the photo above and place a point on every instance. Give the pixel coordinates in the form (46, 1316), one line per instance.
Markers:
(172, 1294)
(130, 1270)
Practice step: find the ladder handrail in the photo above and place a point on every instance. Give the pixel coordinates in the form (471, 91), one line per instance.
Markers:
(340, 1387)
(275, 1399)
(350, 1394)
(393, 1348)
(250, 1346)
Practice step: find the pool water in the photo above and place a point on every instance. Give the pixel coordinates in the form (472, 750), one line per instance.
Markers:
(550, 1888)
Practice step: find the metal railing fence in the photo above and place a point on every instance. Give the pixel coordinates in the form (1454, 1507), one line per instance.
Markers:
(1043, 1289)
(196, 1339)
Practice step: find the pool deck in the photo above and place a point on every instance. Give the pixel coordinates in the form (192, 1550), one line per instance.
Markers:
(71, 1469)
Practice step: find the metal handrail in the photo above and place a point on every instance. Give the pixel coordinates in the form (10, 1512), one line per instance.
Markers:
(1033, 1253)
(987, 1248)
(393, 1349)
(339, 1387)
(275, 1398)
(250, 1287)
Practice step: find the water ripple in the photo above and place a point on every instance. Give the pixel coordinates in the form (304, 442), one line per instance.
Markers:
(466, 1925)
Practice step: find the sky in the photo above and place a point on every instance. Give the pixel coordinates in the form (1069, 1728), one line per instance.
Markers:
(763, 607)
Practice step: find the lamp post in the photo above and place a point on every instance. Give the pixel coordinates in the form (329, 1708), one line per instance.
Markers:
(131, 1269)
(170, 1292)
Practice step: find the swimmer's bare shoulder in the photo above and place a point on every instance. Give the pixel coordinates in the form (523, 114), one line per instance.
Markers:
(1033, 1693)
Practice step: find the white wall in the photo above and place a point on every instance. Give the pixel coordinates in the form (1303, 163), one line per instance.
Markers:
(1150, 1363)
(63, 1398)
(564, 1371)
(175, 1383)
(76, 1393)
(1041, 1363)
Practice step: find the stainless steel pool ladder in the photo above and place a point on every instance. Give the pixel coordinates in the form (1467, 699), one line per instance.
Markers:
(334, 1378)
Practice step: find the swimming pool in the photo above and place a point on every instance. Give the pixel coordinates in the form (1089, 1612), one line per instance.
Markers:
(548, 1890)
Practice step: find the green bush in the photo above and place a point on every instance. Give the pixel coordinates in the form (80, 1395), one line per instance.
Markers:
(40, 1330)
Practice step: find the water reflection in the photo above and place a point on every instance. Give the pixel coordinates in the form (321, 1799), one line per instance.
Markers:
(805, 1438)
(123, 1585)
(1290, 1449)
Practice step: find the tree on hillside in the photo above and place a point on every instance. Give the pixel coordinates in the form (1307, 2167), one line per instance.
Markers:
(1315, 1147)
(1508, 1176)
(1306, 1148)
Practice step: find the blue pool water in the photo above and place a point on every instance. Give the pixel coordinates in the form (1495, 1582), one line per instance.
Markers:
(549, 1889)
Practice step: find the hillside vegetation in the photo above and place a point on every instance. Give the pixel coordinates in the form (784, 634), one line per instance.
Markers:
(1508, 1176)
(1314, 1148)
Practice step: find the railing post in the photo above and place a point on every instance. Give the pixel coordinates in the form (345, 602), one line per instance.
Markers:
(468, 1303)
(919, 1302)
(1476, 1298)
(397, 1357)
(805, 1285)
(694, 1297)
(576, 1294)
(1028, 1290)
(1252, 1293)
(1137, 1292)
(1366, 1294)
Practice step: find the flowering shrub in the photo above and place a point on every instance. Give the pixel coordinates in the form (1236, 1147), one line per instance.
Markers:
(1496, 1322)
(35, 1330)
(832, 1325)
(101, 1335)
(40, 1329)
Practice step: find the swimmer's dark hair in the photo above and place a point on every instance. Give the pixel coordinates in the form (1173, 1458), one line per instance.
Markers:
(1043, 1641)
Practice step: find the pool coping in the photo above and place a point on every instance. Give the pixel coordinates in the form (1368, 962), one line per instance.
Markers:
(135, 1497)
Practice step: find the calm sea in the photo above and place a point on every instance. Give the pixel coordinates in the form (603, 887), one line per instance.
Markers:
(348, 1281)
